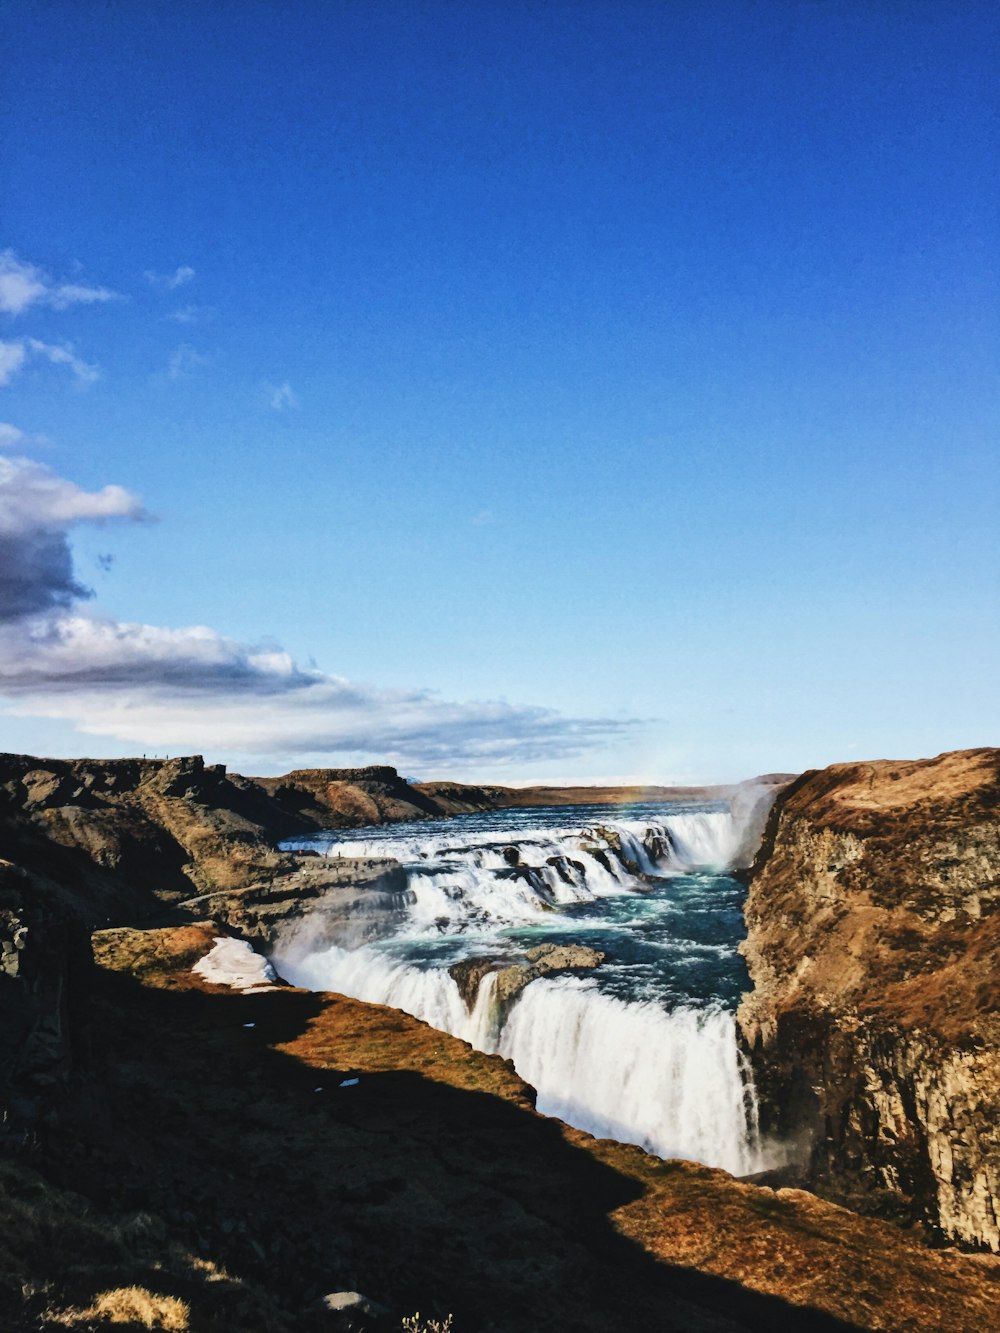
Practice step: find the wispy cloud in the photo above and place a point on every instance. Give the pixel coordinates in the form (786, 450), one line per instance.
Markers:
(195, 687)
(23, 285)
(190, 314)
(62, 354)
(14, 355)
(170, 281)
(10, 436)
(281, 396)
(184, 361)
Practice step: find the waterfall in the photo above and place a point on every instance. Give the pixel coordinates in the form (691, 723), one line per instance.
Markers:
(464, 879)
(628, 1052)
(371, 975)
(671, 1082)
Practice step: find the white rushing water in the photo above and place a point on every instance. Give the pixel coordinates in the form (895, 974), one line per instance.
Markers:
(644, 1048)
(673, 1082)
(453, 872)
(369, 974)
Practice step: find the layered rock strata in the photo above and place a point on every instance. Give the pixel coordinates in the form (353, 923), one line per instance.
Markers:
(874, 1020)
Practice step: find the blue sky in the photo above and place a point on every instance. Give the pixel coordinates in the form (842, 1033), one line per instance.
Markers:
(518, 392)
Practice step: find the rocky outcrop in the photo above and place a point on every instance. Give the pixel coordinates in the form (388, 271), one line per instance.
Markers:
(511, 978)
(874, 1021)
(348, 797)
(127, 836)
(343, 901)
(44, 975)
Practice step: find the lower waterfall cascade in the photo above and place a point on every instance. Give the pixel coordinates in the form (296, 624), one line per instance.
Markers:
(642, 1048)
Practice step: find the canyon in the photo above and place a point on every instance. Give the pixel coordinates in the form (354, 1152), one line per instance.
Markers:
(244, 1154)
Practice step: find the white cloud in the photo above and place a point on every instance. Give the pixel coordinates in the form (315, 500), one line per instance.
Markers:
(282, 396)
(276, 715)
(13, 356)
(62, 354)
(190, 314)
(23, 285)
(195, 687)
(33, 497)
(171, 281)
(12, 437)
(37, 509)
(184, 361)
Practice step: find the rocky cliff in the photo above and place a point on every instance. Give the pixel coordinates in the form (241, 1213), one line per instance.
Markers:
(874, 1021)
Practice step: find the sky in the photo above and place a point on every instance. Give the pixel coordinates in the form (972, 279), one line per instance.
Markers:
(505, 391)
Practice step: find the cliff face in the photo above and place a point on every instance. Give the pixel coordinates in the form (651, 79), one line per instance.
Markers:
(117, 840)
(874, 1023)
(88, 843)
(123, 836)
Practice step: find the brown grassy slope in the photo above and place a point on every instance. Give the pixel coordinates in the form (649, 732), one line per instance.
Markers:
(432, 1184)
(457, 798)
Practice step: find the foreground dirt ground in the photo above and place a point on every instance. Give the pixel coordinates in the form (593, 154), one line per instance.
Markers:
(215, 1161)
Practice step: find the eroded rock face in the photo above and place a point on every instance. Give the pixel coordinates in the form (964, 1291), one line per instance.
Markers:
(511, 978)
(874, 1023)
(344, 901)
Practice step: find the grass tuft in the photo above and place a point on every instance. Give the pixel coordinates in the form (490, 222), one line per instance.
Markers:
(131, 1306)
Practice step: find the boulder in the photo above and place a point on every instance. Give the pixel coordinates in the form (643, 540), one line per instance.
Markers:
(350, 1312)
(511, 978)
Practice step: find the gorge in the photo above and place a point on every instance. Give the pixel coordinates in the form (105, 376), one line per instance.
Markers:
(595, 947)
(600, 957)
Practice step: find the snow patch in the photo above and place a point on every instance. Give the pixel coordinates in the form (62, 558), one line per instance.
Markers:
(234, 963)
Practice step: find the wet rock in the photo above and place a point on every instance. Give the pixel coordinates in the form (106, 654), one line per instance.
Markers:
(613, 839)
(533, 876)
(563, 866)
(658, 844)
(600, 855)
(468, 974)
(511, 978)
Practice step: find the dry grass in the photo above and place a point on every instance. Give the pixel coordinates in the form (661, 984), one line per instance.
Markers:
(66, 1264)
(132, 1306)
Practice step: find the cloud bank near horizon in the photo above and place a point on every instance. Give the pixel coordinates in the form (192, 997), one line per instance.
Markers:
(192, 686)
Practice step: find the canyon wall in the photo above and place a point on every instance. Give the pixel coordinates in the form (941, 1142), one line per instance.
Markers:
(874, 1021)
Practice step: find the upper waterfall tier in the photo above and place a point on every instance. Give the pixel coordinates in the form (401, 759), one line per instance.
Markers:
(457, 869)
